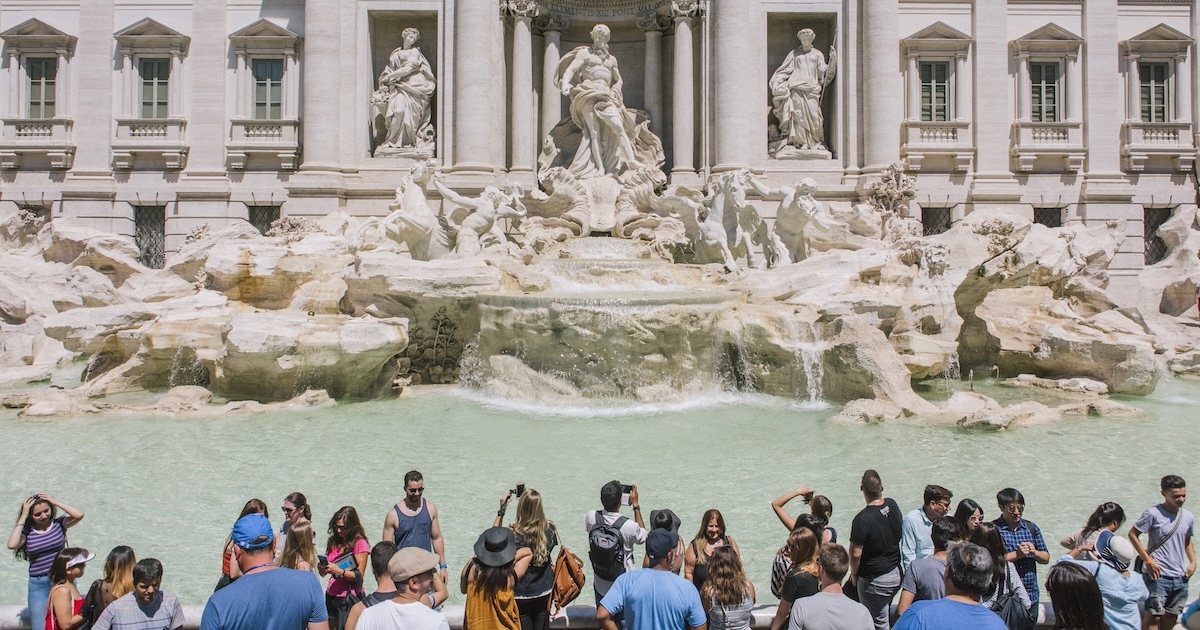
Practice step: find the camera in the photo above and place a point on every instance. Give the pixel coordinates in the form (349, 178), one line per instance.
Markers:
(518, 491)
(625, 490)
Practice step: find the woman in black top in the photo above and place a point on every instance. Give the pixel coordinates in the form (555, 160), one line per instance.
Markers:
(534, 531)
(711, 535)
(801, 580)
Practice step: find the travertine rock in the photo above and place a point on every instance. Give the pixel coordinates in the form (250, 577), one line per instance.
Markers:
(1034, 333)
(266, 273)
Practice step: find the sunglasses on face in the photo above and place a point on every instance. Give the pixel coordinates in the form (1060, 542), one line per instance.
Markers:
(416, 490)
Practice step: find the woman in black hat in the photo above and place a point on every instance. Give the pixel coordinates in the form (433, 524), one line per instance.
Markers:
(488, 580)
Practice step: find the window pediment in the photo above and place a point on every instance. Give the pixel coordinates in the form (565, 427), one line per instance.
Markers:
(1050, 39)
(1160, 40)
(265, 36)
(148, 34)
(937, 38)
(34, 35)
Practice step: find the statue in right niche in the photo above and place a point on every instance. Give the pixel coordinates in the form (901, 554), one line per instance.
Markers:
(796, 89)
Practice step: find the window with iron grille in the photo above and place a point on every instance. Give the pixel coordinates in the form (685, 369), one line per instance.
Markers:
(1043, 78)
(261, 217)
(268, 89)
(42, 74)
(155, 75)
(935, 220)
(935, 91)
(1152, 219)
(150, 235)
(1049, 217)
(1156, 89)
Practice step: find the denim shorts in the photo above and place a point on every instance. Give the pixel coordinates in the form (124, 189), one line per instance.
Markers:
(1167, 595)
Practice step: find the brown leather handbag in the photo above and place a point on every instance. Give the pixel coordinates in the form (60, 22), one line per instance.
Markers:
(568, 580)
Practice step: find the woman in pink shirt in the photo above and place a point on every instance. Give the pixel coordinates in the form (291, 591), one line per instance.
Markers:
(346, 538)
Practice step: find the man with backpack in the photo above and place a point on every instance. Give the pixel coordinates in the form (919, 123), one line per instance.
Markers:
(611, 537)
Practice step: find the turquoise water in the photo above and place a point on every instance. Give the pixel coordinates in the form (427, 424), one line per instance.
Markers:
(171, 487)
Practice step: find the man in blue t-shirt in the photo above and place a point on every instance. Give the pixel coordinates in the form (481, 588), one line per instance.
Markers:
(653, 598)
(266, 597)
(968, 576)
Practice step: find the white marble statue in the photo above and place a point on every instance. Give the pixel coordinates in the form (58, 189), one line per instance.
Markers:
(601, 136)
(797, 211)
(401, 111)
(482, 228)
(427, 234)
(796, 89)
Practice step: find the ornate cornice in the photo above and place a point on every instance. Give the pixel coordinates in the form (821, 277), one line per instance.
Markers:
(550, 22)
(519, 8)
(687, 8)
(653, 22)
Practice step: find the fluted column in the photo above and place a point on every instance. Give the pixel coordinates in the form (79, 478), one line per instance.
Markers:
(522, 115)
(881, 82)
(684, 103)
(322, 57)
(653, 26)
(551, 27)
(478, 86)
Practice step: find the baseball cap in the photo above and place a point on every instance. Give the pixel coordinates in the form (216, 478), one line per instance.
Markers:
(252, 531)
(659, 543)
(1116, 551)
(410, 562)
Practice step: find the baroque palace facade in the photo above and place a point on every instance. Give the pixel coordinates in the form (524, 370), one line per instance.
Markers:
(151, 119)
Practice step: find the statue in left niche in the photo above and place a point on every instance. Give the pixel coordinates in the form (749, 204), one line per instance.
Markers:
(401, 107)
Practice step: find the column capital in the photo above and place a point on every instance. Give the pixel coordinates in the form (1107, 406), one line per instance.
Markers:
(519, 8)
(551, 22)
(687, 8)
(654, 22)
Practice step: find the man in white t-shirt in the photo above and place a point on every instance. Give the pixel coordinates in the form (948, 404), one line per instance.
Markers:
(412, 572)
(632, 533)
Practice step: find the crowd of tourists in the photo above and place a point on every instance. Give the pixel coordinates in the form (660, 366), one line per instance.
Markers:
(942, 565)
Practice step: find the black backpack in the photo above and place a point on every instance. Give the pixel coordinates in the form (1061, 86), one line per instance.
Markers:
(1011, 609)
(606, 548)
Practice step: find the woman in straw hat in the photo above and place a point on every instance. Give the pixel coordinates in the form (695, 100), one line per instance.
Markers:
(488, 580)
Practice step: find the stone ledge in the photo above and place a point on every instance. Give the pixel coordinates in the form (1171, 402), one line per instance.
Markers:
(583, 617)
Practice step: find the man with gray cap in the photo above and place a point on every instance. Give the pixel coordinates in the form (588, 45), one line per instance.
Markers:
(1122, 592)
(968, 578)
(654, 598)
(266, 597)
(412, 570)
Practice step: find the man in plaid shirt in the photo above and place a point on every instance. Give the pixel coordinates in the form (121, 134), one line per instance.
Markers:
(1022, 539)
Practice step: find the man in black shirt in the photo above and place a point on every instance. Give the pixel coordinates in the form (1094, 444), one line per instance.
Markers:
(875, 550)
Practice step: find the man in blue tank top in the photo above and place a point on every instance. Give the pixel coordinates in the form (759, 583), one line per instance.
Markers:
(414, 521)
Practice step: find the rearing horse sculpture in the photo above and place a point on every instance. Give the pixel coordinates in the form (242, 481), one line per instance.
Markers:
(428, 235)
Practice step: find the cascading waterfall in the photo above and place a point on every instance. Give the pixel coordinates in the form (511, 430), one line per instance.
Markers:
(808, 357)
(186, 369)
(613, 324)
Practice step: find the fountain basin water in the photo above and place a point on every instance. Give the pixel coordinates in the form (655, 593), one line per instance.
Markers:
(172, 486)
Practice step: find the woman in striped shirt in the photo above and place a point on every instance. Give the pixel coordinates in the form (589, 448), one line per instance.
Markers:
(38, 536)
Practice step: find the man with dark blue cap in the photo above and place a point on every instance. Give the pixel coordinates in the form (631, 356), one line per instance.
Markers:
(653, 598)
(266, 597)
